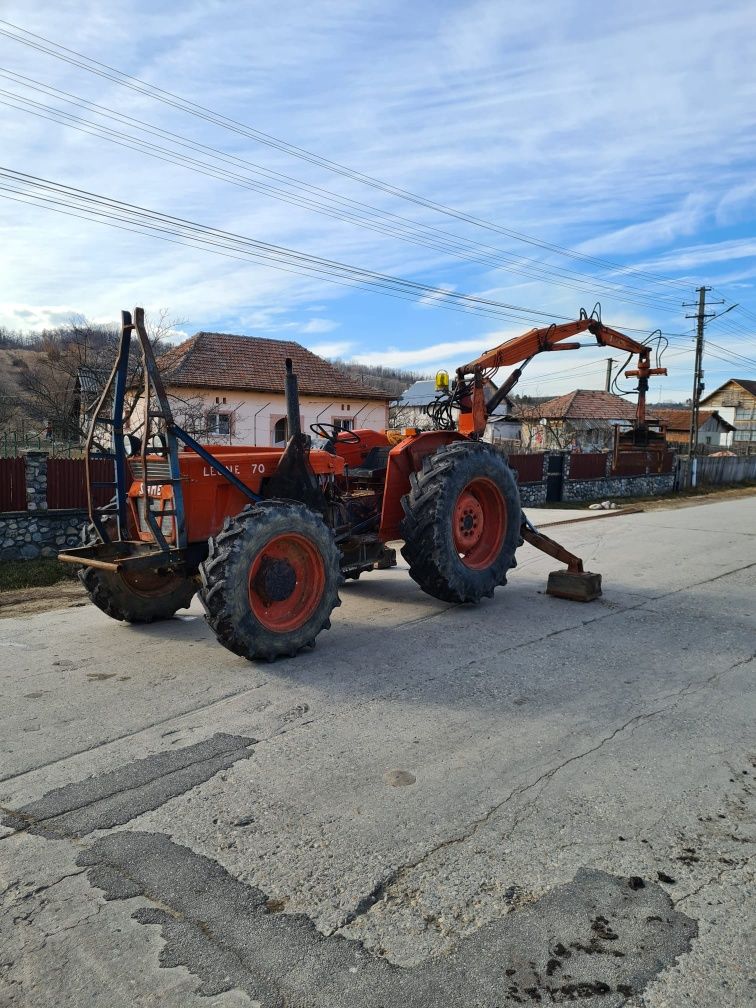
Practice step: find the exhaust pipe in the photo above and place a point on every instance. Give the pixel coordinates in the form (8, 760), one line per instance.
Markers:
(292, 400)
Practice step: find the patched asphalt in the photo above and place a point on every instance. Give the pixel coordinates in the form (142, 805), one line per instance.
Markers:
(113, 798)
(598, 935)
(526, 802)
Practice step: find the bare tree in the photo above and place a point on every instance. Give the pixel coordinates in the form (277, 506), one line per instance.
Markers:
(65, 378)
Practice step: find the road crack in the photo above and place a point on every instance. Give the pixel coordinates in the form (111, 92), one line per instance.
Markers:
(726, 870)
(382, 887)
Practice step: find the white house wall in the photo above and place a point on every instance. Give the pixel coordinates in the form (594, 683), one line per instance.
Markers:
(254, 415)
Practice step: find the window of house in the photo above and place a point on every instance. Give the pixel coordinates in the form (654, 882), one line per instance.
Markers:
(193, 425)
(219, 424)
(281, 431)
(343, 423)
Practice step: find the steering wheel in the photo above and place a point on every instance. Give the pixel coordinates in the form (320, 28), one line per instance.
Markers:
(331, 432)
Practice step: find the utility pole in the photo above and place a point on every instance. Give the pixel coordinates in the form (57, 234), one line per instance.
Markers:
(700, 317)
(698, 384)
(609, 366)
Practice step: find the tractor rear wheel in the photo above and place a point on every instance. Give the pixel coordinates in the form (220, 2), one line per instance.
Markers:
(462, 522)
(271, 580)
(137, 596)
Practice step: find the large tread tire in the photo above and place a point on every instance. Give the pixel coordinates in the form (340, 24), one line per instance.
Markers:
(228, 585)
(126, 600)
(135, 598)
(434, 557)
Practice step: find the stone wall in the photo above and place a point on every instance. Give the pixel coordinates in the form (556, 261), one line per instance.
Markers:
(26, 535)
(601, 488)
(36, 481)
(618, 486)
(533, 494)
(38, 532)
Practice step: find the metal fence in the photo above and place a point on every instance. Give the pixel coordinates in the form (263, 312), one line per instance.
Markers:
(12, 443)
(588, 465)
(12, 484)
(529, 467)
(67, 482)
(642, 463)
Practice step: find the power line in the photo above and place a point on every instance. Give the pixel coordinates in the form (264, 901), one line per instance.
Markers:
(736, 357)
(122, 79)
(107, 211)
(111, 212)
(72, 57)
(339, 208)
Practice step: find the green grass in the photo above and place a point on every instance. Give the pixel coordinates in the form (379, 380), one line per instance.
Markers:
(16, 574)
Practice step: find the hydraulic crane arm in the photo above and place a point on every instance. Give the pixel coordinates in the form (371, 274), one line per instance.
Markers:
(523, 348)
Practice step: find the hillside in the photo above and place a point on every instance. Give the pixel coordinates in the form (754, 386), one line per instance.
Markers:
(12, 397)
(393, 380)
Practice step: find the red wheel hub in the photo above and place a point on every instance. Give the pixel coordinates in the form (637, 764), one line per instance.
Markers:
(479, 523)
(286, 582)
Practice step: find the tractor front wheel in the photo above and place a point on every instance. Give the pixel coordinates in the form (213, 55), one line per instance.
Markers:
(271, 580)
(462, 522)
(137, 596)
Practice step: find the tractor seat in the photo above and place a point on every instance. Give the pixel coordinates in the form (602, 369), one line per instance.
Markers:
(375, 461)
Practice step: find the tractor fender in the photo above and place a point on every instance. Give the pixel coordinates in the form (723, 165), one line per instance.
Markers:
(404, 459)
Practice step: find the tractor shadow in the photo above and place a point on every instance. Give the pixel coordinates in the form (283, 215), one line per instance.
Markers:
(520, 652)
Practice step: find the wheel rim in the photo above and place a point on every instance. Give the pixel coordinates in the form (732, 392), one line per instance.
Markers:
(479, 523)
(286, 582)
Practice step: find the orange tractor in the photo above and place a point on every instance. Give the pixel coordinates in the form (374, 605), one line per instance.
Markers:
(267, 535)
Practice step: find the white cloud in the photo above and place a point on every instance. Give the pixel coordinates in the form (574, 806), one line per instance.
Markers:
(475, 108)
(736, 202)
(436, 355)
(332, 350)
(688, 258)
(319, 325)
(652, 233)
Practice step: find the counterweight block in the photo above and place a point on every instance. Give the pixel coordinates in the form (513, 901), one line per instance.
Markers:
(577, 586)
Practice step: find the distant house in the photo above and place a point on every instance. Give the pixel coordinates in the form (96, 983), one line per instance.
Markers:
(735, 401)
(711, 427)
(582, 420)
(230, 389)
(409, 411)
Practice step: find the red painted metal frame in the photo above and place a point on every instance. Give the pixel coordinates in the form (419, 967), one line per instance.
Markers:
(550, 338)
(404, 459)
(208, 496)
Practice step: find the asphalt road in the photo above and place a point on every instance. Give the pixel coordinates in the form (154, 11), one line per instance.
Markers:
(531, 801)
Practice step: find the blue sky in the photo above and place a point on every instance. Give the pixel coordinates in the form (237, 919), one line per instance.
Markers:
(626, 134)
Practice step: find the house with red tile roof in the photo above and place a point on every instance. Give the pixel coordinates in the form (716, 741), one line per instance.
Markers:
(229, 389)
(676, 422)
(735, 401)
(582, 420)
